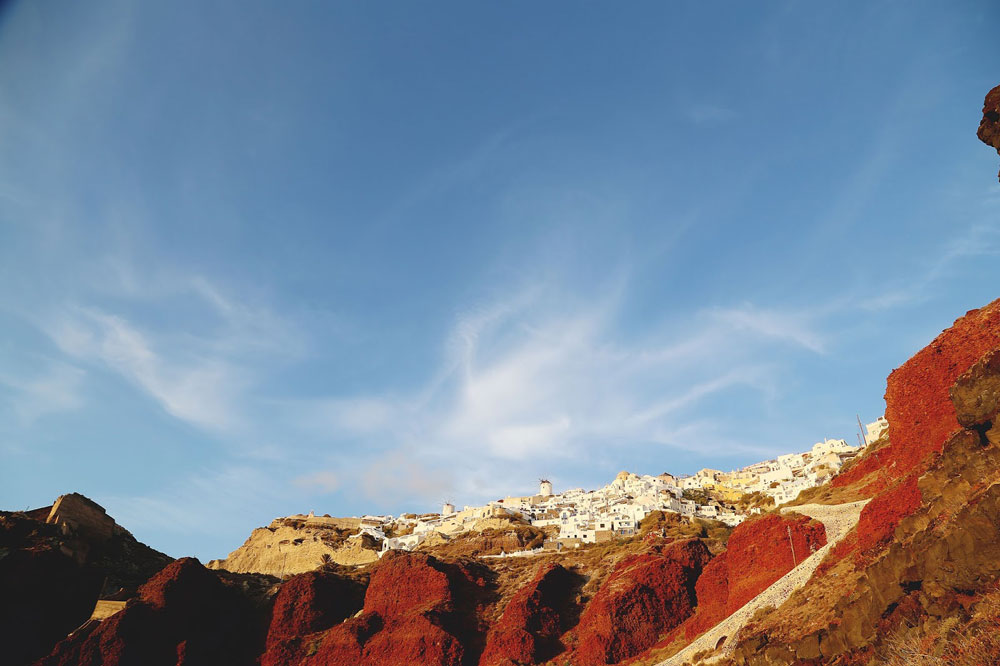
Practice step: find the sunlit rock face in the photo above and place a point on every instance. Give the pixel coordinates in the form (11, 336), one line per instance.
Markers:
(989, 126)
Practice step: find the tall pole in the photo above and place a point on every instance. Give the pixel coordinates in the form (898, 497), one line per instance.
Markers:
(861, 428)
(795, 561)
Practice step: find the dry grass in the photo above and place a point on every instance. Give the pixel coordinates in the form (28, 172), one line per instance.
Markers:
(975, 642)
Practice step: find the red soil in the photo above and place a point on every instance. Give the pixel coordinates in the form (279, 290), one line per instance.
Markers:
(645, 596)
(528, 630)
(409, 584)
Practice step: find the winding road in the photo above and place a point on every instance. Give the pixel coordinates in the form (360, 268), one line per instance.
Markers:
(838, 519)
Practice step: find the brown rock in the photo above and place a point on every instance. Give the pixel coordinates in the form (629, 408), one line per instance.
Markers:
(918, 405)
(976, 393)
(989, 126)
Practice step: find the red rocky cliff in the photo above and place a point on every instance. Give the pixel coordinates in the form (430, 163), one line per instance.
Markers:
(529, 629)
(645, 596)
(763, 550)
(918, 406)
(418, 610)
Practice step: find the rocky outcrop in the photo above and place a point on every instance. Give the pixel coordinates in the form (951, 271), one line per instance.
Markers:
(645, 596)
(306, 604)
(417, 610)
(989, 126)
(976, 393)
(183, 615)
(298, 544)
(489, 541)
(529, 629)
(74, 513)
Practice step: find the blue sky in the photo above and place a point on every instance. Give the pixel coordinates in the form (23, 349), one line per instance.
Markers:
(260, 259)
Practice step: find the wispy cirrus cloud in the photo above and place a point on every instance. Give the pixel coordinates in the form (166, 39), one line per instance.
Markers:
(196, 389)
(522, 384)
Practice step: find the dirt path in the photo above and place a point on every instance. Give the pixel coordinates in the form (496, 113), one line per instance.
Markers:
(838, 520)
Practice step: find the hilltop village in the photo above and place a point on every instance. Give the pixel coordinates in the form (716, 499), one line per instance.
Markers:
(546, 521)
(577, 516)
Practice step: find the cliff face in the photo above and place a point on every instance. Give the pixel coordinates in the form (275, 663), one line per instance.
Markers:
(921, 568)
(645, 596)
(291, 546)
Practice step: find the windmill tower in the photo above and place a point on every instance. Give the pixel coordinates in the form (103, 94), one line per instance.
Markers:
(545, 488)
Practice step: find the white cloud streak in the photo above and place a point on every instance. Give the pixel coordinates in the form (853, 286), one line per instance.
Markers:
(523, 385)
(198, 391)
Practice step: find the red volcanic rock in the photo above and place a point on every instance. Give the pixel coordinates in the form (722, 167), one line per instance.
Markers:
(760, 552)
(645, 596)
(345, 643)
(918, 407)
(712, 591)
(529, 629)
(881, 516)
(409, 583)
(414, 639)
(183, 586)
(306, 604)
(418, 610)
(184, 615)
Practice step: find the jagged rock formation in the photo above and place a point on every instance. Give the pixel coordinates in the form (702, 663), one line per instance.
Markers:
(417, 610)
(298, 544)
(989, 127)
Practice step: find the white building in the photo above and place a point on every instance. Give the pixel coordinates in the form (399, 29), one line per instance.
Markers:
(875, 429)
